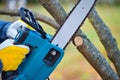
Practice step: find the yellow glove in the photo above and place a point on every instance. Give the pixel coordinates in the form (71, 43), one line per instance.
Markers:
(12, 55)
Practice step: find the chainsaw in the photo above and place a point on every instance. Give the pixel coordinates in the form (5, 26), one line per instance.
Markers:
(47, 51)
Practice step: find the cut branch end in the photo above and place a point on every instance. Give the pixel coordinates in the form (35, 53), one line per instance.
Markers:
(78, 41)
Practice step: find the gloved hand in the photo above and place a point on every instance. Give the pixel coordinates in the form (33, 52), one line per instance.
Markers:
(12, 55)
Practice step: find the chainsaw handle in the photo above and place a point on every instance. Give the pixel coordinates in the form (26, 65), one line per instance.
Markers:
(29, 18)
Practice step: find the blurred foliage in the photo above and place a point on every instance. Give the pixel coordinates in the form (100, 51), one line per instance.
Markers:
(29, 1)
(32, 1)
(109, 2)
(74, 66)
(1, 1)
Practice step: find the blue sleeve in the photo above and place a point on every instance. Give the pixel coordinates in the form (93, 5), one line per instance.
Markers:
(3, 28)
(1, 66)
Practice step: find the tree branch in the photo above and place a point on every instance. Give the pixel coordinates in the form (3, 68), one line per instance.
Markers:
(54, 8)
(106, 39)
(95, 58)
(39, 17)
(87, 48)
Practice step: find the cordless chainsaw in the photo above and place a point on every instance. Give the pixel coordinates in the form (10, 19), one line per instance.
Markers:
(47, 51)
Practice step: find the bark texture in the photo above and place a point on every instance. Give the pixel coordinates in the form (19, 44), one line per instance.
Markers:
(95, 58)
(55, 9)
(106, 39)
(38, 16)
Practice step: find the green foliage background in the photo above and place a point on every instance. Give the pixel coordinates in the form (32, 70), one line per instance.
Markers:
(116, 2)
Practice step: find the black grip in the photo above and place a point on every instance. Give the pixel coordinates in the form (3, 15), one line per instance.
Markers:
(28, 17)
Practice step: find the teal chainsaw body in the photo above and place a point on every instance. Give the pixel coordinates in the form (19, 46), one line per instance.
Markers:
(43, 56)
(42, 59)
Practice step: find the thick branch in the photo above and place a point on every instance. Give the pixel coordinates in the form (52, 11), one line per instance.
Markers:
(55, 9)
(39, 17)
(94, 56)
(106, 38)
